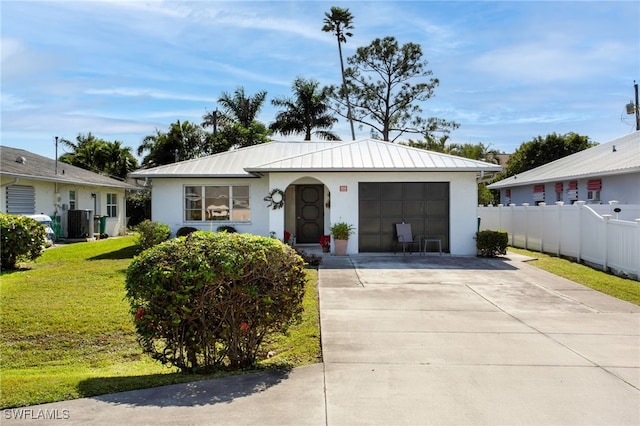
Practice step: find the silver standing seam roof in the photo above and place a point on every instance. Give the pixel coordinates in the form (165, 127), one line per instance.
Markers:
(288, 156)
(620, 156)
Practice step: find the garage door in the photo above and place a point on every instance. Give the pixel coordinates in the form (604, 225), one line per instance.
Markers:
(425, 205)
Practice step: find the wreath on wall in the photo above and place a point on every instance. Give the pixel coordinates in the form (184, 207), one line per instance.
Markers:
(275, 199)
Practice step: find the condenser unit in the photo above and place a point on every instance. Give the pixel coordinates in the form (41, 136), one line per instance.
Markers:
(79, 223)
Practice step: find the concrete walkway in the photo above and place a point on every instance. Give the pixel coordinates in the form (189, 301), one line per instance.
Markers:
(421, 340)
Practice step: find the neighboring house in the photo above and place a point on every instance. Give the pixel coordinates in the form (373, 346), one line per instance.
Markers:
(606, 172)
(72, 196)
(370, 184)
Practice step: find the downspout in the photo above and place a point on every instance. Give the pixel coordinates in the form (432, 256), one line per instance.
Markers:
(16, 180)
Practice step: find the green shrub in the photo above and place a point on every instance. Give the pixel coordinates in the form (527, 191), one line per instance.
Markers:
(206, 301)
(492, 243)
(226, 228)
(309, 258)
(21, 238)
(151, 234)
(185, 230)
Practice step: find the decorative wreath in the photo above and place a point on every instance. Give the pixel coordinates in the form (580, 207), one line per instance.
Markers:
(275, 199)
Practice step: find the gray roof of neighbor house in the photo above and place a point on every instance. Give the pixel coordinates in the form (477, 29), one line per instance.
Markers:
(620, 156)
(281, 156)
(19, 163)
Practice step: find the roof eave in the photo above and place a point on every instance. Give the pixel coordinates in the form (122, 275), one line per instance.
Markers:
(68, 181)
(370, 169)
(189, 176)
(512, 183)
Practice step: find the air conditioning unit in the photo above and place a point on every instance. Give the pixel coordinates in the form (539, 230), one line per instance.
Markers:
(79, 223)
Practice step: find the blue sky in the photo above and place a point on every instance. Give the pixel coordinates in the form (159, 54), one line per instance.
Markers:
(508, 71)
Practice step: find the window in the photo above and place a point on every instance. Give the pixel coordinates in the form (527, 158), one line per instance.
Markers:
(559, 189)
(572, 193)
(112, 205)
(594, 186)
(72, 200)
(216, 203)
(593, 196)
(538, 194)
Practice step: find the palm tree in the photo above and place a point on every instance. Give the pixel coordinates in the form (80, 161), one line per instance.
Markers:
(338, 22)
(236, 125)
(477, 151)
(120, 160)
(241, 108)
(99, 156)
(305, 112)
(183, 141)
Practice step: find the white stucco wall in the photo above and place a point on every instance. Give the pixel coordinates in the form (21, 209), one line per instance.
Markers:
(344, 204)
(168, 204)
(53, 199)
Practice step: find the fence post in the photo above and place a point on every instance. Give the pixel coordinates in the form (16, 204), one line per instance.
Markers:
(526, 228)
(512, 208)
(580, 204)
(559, 204)
(542, 226)
(606, 218)
(637, 221)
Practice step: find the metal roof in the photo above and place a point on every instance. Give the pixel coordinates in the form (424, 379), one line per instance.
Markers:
(373, 155)
(620, 156)
(19, 163)
(280, 156)
(232, 163)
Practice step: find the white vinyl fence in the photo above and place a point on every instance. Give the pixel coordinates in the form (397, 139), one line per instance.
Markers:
(576, 231)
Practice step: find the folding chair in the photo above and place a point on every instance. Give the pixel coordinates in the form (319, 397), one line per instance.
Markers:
(406, 238)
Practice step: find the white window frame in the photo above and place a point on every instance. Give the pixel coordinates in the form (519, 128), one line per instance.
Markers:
(72, 200)
(593, 196)
(112, 204)
(236, 211)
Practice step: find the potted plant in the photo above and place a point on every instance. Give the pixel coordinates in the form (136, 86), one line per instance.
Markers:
(341, 232)
(325, 243)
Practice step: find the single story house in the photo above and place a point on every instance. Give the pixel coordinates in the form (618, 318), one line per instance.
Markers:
(603, 173)
(302, 188)
(71, 196)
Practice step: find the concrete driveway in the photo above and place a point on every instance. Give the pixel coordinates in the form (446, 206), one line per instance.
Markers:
(411, 340)
(446, 340)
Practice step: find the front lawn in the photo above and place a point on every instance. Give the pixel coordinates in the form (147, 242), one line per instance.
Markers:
(66, 332)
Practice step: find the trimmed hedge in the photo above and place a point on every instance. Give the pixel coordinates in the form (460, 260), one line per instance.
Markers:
(492, 243)
(21, 238)
(207, 300)
(151, 234)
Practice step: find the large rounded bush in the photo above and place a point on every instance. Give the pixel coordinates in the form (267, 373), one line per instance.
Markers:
(21, 238)
(207, 300)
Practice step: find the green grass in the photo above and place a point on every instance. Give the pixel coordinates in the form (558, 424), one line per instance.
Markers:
(66, 332)
(621, 288)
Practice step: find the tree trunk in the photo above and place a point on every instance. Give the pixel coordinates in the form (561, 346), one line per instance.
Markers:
(346, 95)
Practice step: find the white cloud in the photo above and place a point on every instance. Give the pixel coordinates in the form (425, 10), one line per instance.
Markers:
(150, 93)
(14, 103)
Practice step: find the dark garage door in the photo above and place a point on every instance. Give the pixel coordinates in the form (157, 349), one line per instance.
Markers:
(425, 205)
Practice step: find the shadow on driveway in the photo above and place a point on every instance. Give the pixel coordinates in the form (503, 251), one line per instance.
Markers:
(204, 392)
(415, 261)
